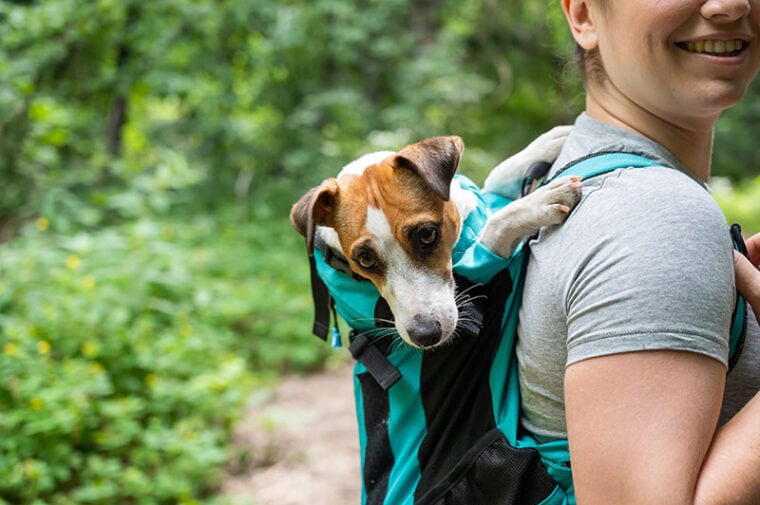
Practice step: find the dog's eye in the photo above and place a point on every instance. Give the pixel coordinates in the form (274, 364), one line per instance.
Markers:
(366, 260)
(427, 234)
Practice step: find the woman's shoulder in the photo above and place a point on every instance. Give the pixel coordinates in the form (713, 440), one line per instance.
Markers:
(650, 199)
(651, 225)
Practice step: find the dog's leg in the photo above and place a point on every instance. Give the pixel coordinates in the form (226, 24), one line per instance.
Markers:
(550, 204)
(506, 178)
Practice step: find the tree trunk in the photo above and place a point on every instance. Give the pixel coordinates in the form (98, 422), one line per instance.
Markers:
(118, 113)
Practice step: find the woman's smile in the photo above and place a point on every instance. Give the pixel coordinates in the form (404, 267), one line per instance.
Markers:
(718, 47)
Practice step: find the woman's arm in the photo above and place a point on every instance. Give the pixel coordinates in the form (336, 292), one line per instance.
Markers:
(730, 473)
(640, 424)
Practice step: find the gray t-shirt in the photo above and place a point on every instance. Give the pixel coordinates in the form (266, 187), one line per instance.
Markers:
(644, 262)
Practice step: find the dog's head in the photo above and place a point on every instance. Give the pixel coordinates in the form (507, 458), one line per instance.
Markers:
(391, 216)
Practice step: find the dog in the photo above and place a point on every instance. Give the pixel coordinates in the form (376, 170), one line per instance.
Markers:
(394, 217)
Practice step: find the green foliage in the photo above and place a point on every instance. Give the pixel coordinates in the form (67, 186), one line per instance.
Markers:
(126, 353)
(740, 202)
(149, 152)
(737, 153)
(93, 94)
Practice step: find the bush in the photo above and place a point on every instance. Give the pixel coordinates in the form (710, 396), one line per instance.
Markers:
(740, 203)
(127, 353)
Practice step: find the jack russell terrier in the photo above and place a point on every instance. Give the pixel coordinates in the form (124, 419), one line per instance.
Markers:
(395, 217)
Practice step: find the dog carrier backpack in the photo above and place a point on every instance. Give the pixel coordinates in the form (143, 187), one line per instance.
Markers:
(442, 427)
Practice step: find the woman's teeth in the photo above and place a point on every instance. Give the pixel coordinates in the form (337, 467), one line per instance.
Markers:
(714, 47)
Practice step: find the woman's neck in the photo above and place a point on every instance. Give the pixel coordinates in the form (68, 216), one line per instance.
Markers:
(691, 144)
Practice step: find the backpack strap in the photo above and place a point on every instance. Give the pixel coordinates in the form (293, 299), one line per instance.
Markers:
(323, 302)
(605, 162)
(368, 352)
(739, 323)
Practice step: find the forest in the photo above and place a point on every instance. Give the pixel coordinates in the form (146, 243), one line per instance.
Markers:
(149, 155)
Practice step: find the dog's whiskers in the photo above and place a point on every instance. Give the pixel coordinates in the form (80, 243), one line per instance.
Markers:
(461, 304)
(375, 321)
(465, 298)
(466, 290)
(397, 343)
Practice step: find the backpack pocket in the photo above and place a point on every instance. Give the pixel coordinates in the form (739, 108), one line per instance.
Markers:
(495, 473)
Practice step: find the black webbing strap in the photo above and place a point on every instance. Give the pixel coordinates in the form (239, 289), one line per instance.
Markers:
(364, 350)
(323, 303)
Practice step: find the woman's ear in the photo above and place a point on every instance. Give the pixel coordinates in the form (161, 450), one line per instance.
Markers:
(581, 22)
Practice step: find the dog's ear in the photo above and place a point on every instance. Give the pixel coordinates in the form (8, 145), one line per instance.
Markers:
(435, 160)
(315, 208)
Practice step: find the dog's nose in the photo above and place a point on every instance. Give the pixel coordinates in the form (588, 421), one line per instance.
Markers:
(424, 331)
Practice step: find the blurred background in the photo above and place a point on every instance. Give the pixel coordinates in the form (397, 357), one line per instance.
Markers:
(150, 282)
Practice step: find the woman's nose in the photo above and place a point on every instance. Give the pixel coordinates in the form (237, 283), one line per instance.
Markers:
(725, 10)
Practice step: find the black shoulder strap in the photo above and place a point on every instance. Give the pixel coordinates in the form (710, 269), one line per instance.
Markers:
(739, 322)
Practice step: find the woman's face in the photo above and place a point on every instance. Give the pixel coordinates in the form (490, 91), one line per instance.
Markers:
(678, 59)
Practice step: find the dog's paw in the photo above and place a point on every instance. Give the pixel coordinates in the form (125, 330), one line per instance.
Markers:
(555, 200)
(547, 205)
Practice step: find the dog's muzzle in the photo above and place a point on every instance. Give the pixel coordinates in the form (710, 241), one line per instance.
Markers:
(424, 331)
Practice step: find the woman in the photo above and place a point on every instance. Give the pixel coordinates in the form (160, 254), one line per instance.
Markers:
(625, 317)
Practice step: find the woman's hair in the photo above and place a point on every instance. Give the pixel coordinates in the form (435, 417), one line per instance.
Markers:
(589, 63)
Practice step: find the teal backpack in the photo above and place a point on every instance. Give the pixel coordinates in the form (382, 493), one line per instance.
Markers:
(442, 427)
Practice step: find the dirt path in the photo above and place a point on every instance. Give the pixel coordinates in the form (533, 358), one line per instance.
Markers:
(301, 445)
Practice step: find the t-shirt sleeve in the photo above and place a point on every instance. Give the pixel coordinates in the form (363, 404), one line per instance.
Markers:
(653, 269)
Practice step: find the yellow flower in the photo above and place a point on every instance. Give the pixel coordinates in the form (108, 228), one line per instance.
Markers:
(151, 379)
(88, 282)
(43, 347)
(42, 223)
(72, 262)
(88, 348)
(10, 349)
(97, 367)
(35, 403)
